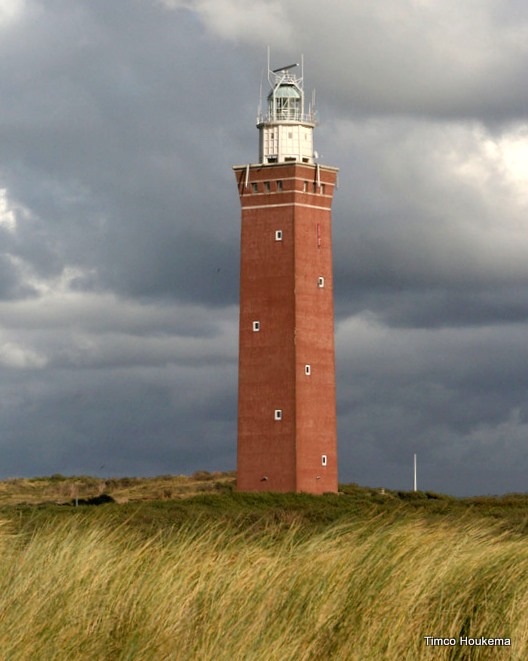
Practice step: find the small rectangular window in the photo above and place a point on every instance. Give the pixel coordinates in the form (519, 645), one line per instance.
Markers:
(278, 414)
(320, 282)
(322, 189)
(290, 135)
(279, 185)
(307, 370)
(278, 235)
(254, 185)
(324, 459)
(267, 186)
(305, 187)
(256, 326)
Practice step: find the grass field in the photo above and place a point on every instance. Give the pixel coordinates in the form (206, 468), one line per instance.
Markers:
(221, 575)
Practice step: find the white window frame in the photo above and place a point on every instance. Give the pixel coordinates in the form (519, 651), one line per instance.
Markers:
(307, 370)
(320, 282)
(324, 460)
(278, 414)
(256, 326)
(278, 235)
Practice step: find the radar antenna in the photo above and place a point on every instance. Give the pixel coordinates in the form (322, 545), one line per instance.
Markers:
(290, 66)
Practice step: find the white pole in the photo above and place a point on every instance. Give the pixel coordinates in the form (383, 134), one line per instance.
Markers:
(415, 485)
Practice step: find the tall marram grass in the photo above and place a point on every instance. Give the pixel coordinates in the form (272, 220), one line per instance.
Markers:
(87, 590)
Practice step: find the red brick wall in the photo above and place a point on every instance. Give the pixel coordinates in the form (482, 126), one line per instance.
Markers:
(279, 288)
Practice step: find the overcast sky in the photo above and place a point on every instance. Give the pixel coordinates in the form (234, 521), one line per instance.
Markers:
(119, 231)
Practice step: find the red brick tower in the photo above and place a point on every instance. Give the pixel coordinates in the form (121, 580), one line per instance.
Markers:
(287, 439)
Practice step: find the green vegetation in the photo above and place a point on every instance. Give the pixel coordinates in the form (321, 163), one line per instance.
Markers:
(60, 489)
(221, 575)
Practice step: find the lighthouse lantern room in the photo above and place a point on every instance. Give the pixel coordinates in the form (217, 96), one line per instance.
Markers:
(286, 132)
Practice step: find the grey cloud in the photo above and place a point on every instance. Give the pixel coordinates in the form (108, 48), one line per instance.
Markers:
(118, 422)
(426, 307)
(436, 60)
(455, 397)
(12, 285)
(107, 137)
(431, 230)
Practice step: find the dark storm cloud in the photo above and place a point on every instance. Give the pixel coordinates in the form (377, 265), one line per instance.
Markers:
(97, 426)
(439, 60)
(401, 299)
(456, 397)
(405, 306)
(115, 174)
(103, 140)
(11, 286)
(119, 230)
(430, 224)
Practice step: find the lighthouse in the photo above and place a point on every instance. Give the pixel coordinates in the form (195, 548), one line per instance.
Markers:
(287, 436)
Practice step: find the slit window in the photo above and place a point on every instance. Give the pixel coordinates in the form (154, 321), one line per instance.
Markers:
(254, 185)
(278, 235)
(320, 282)
(256, 326)
(305, 187)
(324, 460)
(267, 186)
(278, 414)
(322, 189)
(279, 185)
(307, 370)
